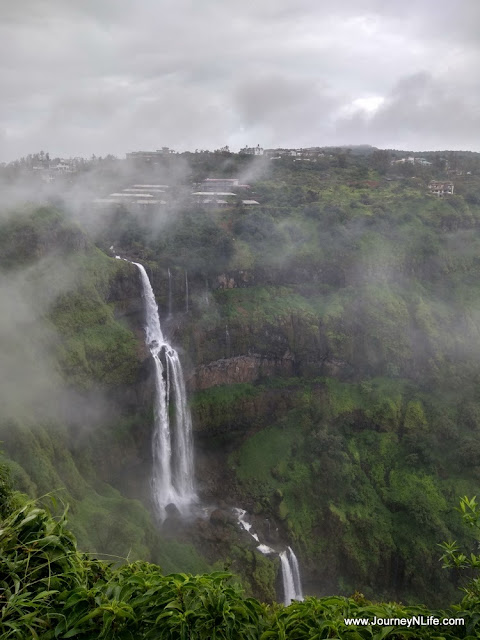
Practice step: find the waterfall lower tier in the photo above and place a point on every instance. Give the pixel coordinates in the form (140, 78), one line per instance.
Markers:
(172, 444)
(291, 580)
(292, 586)
(169, 294)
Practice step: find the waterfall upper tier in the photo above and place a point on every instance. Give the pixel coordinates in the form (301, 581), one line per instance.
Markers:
(172, 443)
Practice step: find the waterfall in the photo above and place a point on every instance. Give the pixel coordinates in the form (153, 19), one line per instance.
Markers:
(169, 294)
(292, 584)
(297, 581)
(243, 522)
(227, 342)
(172, 446)
(287, 577)
(186, 291)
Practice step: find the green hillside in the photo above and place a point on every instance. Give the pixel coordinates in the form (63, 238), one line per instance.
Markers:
(331, 348)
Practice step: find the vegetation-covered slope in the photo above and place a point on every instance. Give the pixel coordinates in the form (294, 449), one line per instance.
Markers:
(71, 420)
(50, 590)
(331, 343)
(343, 313)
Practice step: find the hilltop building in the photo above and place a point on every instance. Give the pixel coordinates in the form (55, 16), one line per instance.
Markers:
(140, 196)
(441, 189)
(149, 157)
(413, 160)
(251, 151)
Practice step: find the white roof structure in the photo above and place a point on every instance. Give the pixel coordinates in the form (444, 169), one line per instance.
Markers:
(131, 195)
(213, 201)
(213, 193)
(151, 202)
(116, 200)
(250, 202)
(152, 186)
(141, 190)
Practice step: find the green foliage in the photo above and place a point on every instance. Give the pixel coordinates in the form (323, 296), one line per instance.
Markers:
(104, 521)
(341, 474)
(32, 232)
(53, 591)
(8, 499)
(223, 404)
(454, 558)
(96, 348)
(50, 590)
(339, 273)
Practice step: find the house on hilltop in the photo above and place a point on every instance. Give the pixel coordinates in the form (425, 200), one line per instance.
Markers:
(251, 151)
(147, 157)
(441, 189)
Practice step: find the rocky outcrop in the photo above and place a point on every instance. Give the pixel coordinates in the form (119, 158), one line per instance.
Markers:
(240, 369)
(233, 279)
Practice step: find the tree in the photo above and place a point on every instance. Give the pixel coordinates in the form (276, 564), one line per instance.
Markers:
(454, 558)
(380, 161)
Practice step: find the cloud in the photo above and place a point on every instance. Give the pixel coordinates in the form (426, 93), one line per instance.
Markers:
(30, 384)
(421, 109)
(96, 77)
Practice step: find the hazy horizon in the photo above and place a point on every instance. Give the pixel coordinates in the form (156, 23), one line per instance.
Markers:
(84, 78)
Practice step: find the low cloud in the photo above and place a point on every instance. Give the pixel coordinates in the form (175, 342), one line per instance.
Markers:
(105, 77)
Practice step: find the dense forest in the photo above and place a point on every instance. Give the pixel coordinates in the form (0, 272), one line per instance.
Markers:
(330, 338)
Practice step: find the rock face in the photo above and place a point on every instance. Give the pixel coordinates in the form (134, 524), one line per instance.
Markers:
(240, 369)
(232, 280)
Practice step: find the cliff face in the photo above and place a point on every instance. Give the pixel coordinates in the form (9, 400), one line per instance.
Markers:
(289, 423)
(318, 396)
(240, 369)
(83, 428)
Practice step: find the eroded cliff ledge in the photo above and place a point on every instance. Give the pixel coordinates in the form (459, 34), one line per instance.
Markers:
(240, 369)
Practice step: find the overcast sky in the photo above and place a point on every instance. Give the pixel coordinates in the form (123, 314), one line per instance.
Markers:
(109, 76)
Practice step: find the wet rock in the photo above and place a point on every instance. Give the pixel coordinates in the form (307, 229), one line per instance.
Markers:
(219, 517)
(241, 369)
(172, 510)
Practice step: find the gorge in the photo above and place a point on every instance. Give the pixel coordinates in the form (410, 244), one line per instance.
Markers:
(172, 448)
(329, 363)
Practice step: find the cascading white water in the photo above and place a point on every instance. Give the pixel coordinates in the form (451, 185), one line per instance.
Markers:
(172, 449)
(297, 581)
(227, 342)
(169, 294)
(287, 578)
(206, 292)
(292, 584)
(243, 522)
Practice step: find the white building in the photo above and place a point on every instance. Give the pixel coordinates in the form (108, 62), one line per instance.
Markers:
(441, 189)
(251, 151)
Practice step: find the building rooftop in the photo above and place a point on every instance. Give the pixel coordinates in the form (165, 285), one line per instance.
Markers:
(213, 193)
(131, 195)
(141, 190)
